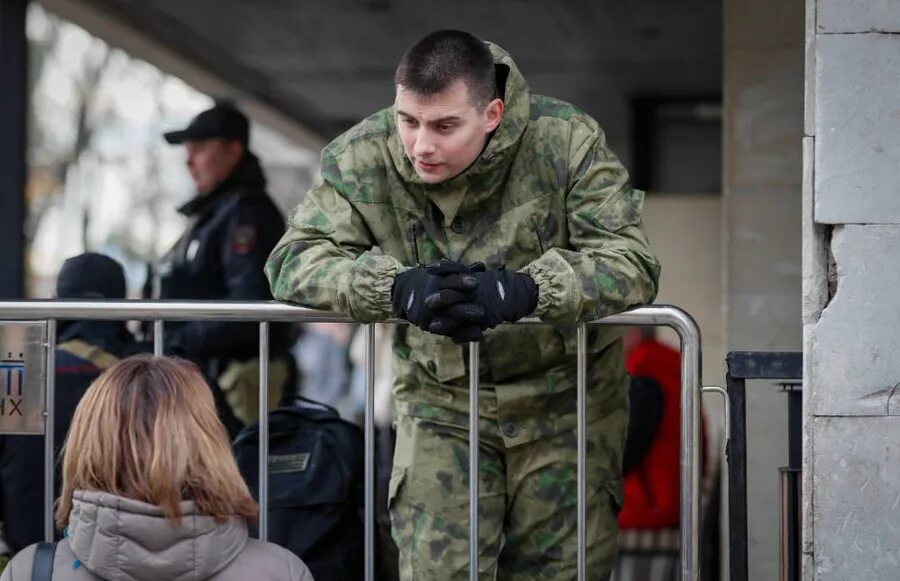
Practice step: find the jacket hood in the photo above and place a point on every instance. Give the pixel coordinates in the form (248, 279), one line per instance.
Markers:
(120, 539)
(485, 174)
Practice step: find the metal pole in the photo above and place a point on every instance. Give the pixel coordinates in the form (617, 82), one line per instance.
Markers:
(370, 454)
(263, 431)
(158, 337)
(49, 433)
(581, 435)
(473, 460)
(737, 480)
(690, 447)
(726, 406)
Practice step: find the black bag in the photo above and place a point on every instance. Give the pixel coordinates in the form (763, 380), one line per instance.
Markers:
(315, 485)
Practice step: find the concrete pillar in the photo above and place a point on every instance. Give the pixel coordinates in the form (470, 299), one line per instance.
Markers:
(763, 130)
(852, 290)
(13, 115)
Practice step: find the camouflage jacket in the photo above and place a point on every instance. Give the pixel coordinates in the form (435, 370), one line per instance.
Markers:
(546, 197)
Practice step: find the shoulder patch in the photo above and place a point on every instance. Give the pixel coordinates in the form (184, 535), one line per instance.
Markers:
(243, 239)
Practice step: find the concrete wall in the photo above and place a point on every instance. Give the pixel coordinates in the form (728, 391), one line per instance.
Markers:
(851, 320)
(763, 124)
(685, 233)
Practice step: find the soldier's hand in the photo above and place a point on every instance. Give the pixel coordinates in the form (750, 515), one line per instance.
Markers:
(455, 313)
(500, 296)
(505, 296)
(451, 284)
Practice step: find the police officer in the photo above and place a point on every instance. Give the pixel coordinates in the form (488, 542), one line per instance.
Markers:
(233, 225)
(517, 207)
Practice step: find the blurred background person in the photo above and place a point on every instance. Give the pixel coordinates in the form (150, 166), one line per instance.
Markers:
(649, 519)
(233, 224)
(322, 355)
(387, 557)
(84, 349)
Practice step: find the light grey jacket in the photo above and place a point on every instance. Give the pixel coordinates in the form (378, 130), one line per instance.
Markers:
(112, 538)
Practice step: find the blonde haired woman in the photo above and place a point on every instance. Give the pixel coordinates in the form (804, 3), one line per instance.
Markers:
(150, 488)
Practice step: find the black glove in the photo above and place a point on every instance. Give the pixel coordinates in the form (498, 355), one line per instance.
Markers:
(502, 295)
(451, 286)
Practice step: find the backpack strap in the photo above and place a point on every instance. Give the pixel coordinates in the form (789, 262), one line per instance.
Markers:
(42, 568)
(83, 350)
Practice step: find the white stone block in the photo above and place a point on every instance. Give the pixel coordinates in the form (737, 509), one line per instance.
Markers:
(857, 500)
(857, 124)
(858, 16)
(809, 448)
(809, 80)
(855, 343)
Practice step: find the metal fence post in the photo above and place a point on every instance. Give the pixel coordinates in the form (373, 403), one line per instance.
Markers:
(581, 436)
(370, 454)
(158, 337)
(49, 433)
(473, 460)
(263, 431)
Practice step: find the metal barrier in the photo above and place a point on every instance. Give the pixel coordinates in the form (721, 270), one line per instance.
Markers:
(266, 312)
(743, 366)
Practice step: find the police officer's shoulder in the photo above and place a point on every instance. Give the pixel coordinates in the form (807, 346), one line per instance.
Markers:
(256, 208)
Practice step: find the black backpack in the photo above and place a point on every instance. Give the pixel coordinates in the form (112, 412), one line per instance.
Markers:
(315, 485)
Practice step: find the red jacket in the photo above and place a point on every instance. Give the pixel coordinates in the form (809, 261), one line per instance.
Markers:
(651, 488)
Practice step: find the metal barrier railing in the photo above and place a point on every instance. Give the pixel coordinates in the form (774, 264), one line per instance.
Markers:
(266, 312)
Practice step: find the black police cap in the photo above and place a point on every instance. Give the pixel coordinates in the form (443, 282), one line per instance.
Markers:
(223, 121)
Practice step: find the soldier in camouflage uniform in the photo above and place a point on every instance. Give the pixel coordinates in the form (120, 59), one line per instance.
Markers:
(526, 185)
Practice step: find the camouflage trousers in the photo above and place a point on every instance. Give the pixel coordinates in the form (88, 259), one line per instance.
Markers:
(527, 501)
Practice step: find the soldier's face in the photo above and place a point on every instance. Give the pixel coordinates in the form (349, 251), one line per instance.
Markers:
(444, 134)
(210, 161)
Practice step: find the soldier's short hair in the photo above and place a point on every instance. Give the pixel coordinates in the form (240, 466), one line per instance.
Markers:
(434, 63)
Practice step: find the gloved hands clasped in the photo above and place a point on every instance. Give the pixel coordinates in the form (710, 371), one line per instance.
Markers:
(448, 298)
(448, 283)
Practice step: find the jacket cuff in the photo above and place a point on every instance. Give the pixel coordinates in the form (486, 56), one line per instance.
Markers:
(559, 290)
(367, 287)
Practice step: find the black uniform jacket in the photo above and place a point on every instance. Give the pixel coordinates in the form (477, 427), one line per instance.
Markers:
(221, 256)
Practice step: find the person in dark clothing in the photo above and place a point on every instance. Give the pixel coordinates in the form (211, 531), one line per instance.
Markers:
(84, 350)
(233, 226)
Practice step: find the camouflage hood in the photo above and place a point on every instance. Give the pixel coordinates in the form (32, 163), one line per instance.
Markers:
(486, 175)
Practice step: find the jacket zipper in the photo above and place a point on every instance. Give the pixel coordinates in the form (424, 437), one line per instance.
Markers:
(413, 242)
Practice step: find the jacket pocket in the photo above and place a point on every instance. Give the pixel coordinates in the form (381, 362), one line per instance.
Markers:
(439, 356)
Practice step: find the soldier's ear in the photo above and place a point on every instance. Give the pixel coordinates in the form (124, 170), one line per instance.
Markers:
(493, 114)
